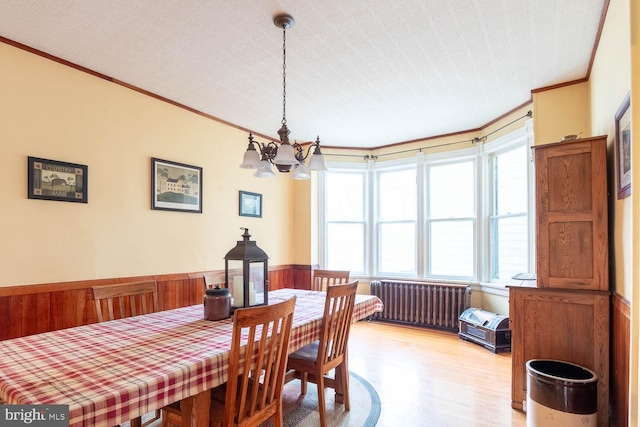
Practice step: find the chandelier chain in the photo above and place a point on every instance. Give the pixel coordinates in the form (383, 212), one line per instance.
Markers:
(284, 75)
(285, 156)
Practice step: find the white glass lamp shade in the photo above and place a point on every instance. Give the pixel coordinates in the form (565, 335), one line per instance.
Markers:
(264, 171)
(301, 172)
(251, 160)
(316, 163)
(285, 155)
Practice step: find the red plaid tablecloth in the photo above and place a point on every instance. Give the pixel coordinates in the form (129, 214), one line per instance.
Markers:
(114, 371)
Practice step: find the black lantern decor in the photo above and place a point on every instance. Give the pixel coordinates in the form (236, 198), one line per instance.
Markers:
(245, 273)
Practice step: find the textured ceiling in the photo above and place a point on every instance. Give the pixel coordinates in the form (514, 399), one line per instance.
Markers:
(360, 73)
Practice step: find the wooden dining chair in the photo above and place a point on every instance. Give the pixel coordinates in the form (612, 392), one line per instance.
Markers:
(125, 300)
(251, 396)
(324, 278)
(214, 281)
(314, 361)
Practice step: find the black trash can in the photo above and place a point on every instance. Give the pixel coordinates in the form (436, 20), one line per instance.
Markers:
(561, 394)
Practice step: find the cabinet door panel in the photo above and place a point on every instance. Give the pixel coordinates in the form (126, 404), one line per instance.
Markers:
(570, 183)
(571, 250)
(571, 215)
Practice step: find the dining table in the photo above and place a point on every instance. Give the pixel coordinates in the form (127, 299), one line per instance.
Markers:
(111, 372)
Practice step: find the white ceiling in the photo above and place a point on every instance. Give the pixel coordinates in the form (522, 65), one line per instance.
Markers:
(360, 73)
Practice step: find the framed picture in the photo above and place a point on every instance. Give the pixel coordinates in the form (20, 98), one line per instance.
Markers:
(250, 204)
(175, 186)
(623, 148)
(56, 180)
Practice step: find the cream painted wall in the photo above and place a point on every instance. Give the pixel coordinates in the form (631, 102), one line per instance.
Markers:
(634, 395)
(302, 221)
(610, 82)
(616, 72)
(559, 112)
(53, 111)
(494, 303)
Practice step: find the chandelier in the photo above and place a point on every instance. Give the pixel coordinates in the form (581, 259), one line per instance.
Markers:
(285, 157)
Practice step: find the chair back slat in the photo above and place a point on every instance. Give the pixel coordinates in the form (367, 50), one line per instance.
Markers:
(131, 303)
(325, 278)
(256, 371)
(131, 299)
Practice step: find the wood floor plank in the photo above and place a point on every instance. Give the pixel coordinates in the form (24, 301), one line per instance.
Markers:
(427, 378)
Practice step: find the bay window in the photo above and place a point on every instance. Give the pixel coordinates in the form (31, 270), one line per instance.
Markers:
(463, 215)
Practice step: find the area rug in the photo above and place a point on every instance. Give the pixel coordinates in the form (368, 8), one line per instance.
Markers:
(302, 411)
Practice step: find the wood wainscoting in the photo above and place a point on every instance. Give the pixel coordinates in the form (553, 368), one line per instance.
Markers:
(619, 348)
(32, 309)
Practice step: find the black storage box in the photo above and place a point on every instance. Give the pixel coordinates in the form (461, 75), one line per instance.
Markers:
(488, 329)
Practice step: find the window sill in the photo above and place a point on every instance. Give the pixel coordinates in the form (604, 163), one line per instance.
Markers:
(494, 289)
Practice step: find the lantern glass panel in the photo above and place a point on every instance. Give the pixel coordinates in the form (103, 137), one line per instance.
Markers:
(235, 282)
(257, 287)
(256, 284)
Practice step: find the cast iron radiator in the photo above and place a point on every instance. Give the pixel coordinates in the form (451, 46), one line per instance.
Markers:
(436, 305)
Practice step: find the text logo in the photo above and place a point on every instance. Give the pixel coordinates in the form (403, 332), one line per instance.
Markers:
(34, 415)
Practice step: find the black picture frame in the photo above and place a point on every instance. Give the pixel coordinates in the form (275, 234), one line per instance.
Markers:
(250, 204)
(623, 148)
(175, 186)
(56, 180)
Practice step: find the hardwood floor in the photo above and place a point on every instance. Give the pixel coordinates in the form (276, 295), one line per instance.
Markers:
(427, 378)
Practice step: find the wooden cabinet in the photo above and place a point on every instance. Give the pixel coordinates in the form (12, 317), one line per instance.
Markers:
(566, 317)
(571, 214)
(568, 325)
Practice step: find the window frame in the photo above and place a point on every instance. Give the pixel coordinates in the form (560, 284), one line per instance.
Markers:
(518, 137)
(323, 223)
(443, 159)
(377, 170)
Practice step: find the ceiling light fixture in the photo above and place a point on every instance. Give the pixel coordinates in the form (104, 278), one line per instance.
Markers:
(261, 156)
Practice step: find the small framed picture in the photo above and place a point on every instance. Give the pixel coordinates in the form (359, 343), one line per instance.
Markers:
(623, 148)
(250, 204)
(56, 180)
(175, 186)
